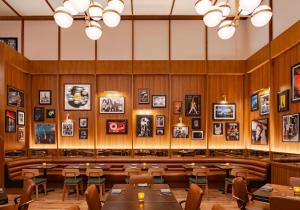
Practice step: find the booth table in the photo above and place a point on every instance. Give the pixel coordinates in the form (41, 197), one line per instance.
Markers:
(272, 190)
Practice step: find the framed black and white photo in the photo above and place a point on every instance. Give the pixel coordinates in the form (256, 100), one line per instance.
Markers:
(10, 41)
(21, 134)
(290, 128)
(50, 113)
(180, 132)
(44, 133)
(77, 97)
(144, 125)
(264, 101)
(197, 135)
(45, 97)
(159, 101)
(15, 97)
(143, 96)
(232, 131)
(21, 117)
(67, 128)
(254, 102)
(192, 105)
(160, 131)
(39, 114)
(112, 104)
(295, 82)
(117, 126)
(196, 123)
(224, 111)
(218, 129)
(83, 122)
(160, 121)
(10, 121)
(283, 101)
(83, 134)
(259, 131)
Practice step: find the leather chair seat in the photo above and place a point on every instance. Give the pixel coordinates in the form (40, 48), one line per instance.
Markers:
(73, 181)
(198, 180)
(158, 180)
(257, 205)
(96, 180)
(39, 180)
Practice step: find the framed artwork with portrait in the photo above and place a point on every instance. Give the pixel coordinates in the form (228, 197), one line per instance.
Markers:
(290, 128)
(192, 105)
(283, 101)
(15, 97)
(144, 125)
(143, 96)
(180, 132)
(21, 117)
(259, 131)
(10, 121)
(45, 97)
(254, 102)
(196, 123)
(232, 131)
(159, 101)
(83, 134)
(264, 101)
(83, 122)
(160, 121)
(177, 107)
(112, 104)
(295, 82)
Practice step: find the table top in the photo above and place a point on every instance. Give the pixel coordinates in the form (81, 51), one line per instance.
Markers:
(226, 167)
(85, 166)
(153, 199)
(41, 166)
(263, 194)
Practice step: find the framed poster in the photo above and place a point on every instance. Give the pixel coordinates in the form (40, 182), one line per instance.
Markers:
(290, 128)
(254, 102)
(259, 131)
(45, 97)
(160, 131)
(10, 121)
(177, 107)
(10, 41)
(295, 82)
(77, 97)
(224, 111)
(232, 131)
(39, 114)
(160, 121)
(264, 101)
(15, 97)
(283, 101)
(180, 132)
(21, 134)
(50, 113)
(196, 123)
(144, 125)
(44, 133)
(197, 135)
(21, 117)
(218, 129)
(143, 96)
(83, 122)
(112, 105)
(67, 128)
(159, 101)
(83, 134)
(192, 105)
(118, 126)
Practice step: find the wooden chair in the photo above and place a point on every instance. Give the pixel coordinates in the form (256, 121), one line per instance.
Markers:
(236, 172)
(157, 174)
(95, 176)
(141, 179)
(284, 203)
(74, 207)
(193, 199)
(241, 194)
(200, 177)
(72, 179)
(34, 175)
(92, 198)
(294, 181)
(131, 171)
(217, 207)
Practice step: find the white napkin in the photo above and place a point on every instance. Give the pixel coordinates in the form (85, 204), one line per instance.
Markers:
(116, 191)
(165, 190)
(142, 185)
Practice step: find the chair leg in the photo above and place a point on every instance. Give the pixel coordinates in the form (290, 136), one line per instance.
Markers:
(206, 189)
(77, 191)
(225, 188)
(64, 192)
(81, 188)
(103, 189)
(36, 191)
(45, 188)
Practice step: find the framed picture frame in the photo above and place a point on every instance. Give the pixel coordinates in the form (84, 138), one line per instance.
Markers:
(283, 101)
(254, 102)
(264, 101)
(83, 134)
(44, 133)
(10, 41)
(39, 114)
(232, 131)
(197, 135)
(160, 131)
(260, 131)
(177, 107)
(159, 101)
(83, 122)
(67, 128)
(218, 129)
(112, 104)
(21, 134)
(50, 113)
(45, 97)
(224, 111)
(144, 125)
(295, 82)
(15, 97)
(77, 97)
(143, 96)
(116, 126)
(192, 105)
(160, 121)
(290, 128)
(10, 121)
(21, 117)
(180, 132)
(196, 123)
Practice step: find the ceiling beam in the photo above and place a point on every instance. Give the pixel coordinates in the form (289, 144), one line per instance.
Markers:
(48, 3)
(13, 9)
(172, 7)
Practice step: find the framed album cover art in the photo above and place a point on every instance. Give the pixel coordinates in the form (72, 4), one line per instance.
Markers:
(77, 97)
(290, 128)
(283, 101)
(112, 104)
(180, 132)
(45, 97)
(143, 96)
(224, 111)
(295, 82)
(116, 126)
(232, 131)
(192, 105)
(144, 125)
(159, 101)
(10, 121)
(177, 107)
(44, 133)
(259, 131)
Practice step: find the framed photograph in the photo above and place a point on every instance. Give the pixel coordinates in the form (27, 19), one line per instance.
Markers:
(192, 105)
(259, 131)
(21, 117)
(264, 104)
(77, 97)
(44, 133)
(15, 97)
(290, 128)
(118, 126)
(283, 101)
(232, 131)
(144, 96)
(10, 41)
(159, 101)
(50, 113)
(177, 107)
(196, 123)
(83, 122)
(218, 129)
(83, 134)
(197, 135)
(112, 105)
(45, 97)
(224, 111)
(254, 102)
(39, 114)
(295, 82)
(144, 125)
(10, 121)
(67, 128)
(180, 132)
(160, 131)
(21, 134)
(160, 121)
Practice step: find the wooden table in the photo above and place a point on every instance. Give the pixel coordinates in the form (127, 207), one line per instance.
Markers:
(226, 168)
(44, 167)
(128, 200)
(85, 166)
(278, 190)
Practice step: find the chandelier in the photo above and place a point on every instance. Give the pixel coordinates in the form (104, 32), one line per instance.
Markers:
(93, 13)
(217, 13)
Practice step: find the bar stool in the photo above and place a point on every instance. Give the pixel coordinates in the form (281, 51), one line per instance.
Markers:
(200, 177)
(95, 176)
(131, 171)
(236, 172)
(157, 174)
(72, 179)
(34, 175)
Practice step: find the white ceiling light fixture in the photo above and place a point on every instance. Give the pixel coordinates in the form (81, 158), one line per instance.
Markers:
(117, 5)
(201, 6)
(111, 17)
(225, 7)
(95, 11)
(68, 5)
(93, 30)
(63, 17)
(80, 5)
(213, 16)
(249, 5)
(226, 29)
(261, 16)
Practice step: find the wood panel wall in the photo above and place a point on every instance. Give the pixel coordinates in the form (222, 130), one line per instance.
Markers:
(281, 173)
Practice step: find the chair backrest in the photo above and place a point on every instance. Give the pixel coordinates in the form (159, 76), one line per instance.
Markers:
(156, 171)
(94, 172)
(194, 198)
(70, 172)
(217, 207)
(26, 194)
(240, 172)
(202, 172)
(74, 207)
(141, 179)
(294, 181)
(284, 203)
(133, 171)
(30, 173)
(92, 198)
(239, 190)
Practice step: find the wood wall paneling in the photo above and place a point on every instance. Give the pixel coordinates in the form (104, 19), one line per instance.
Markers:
(114, 67)
(151, 67)
(187, 67)
(77, 67)
(231, 67)
(44, 67)
(281, 173)
(258, 59)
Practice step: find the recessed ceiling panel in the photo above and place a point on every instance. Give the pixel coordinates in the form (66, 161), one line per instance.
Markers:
(31, 7)
(152, 7)
(5, 10)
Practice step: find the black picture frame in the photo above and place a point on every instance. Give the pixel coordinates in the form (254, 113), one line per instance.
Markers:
(45, 133)
(50, 113)
(264, 104)
(232, 131)
(116, 126)
(283, 101)
(144, 126)
(218, 129)
(116, 104)
(193, 105)
(223, 117)
(83, 122)
(196, 123)
(10, 41)
(39, 114)
(83, 134)
(177, 107)
(260, 131)
(143, 96)
(290, 128)
(69, 105)
(295, 85)
(160, 121)
(45, 100)
(10, 121)
(179, 132)
(197, 135)
(163, 103)
(15, 97)
(160, 131)
(20, 118)
(254, 102)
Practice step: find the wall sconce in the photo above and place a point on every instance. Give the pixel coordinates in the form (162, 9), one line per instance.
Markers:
(144, 112)
(68, 118)
(180, 123)
(224, 99)
(112, 93)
